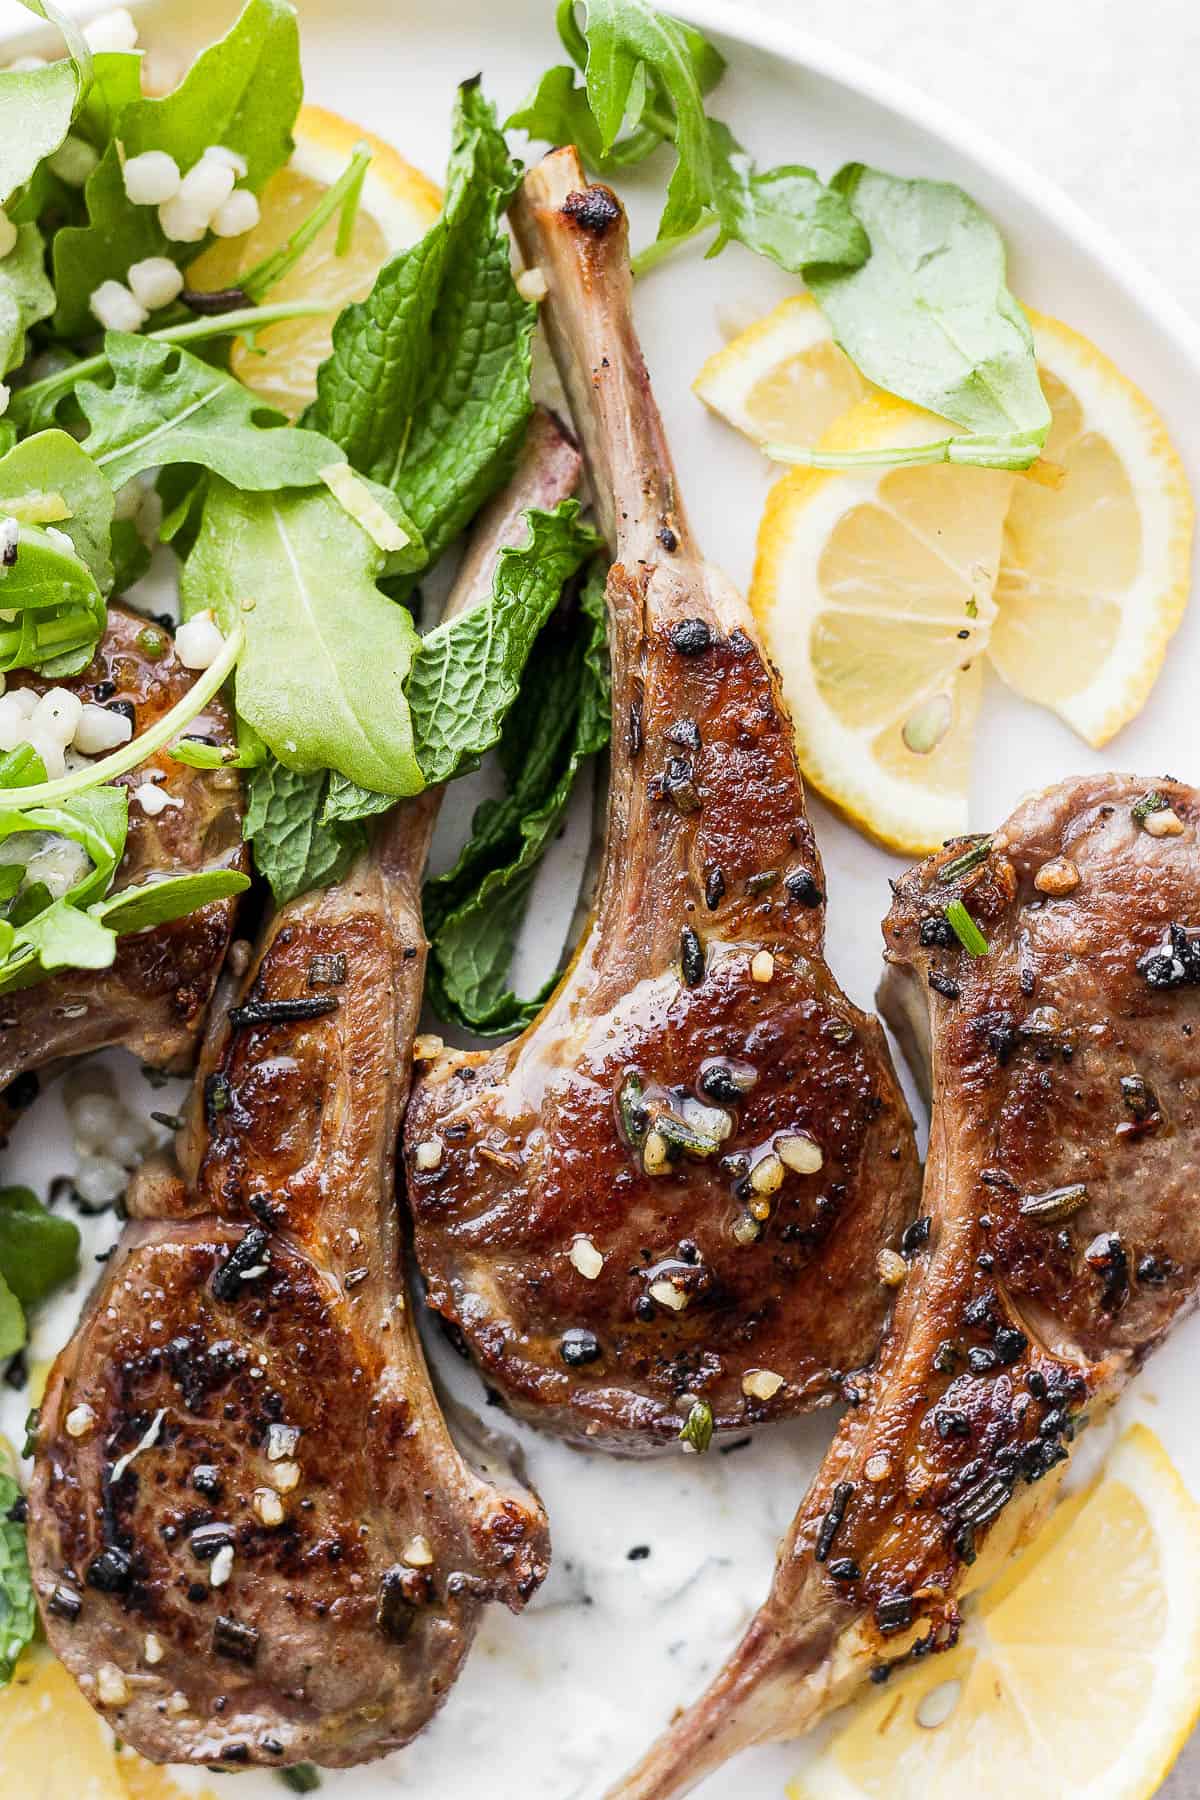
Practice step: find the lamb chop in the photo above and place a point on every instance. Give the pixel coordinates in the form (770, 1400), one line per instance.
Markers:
(154, 997)
(637, 1212)
(1061, 1241)
(252, 1537)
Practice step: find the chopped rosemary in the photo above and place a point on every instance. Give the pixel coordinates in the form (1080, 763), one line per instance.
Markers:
(965, 929)
(1149, 803)
(697, 1433)
(970, 859)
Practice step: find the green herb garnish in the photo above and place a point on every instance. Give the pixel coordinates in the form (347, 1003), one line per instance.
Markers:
(18, 1610)
(965, 929)
(968, 860)
(697, 1431)
(1141, 809)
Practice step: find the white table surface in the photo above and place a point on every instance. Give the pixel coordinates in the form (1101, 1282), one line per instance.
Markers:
(1099, 94)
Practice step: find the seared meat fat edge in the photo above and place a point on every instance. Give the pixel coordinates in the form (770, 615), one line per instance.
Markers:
(1059, 1240)
(636, 1213)
(153, 999)
(252, 1537)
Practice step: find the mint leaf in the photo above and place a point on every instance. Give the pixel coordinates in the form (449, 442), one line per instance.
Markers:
(18, 1609)
(293, 849)
(474, 912)
(37, 105)
(929, 316)
(39, 1250)
(467, 671)
(243, 91)
(25, 293)
(427, 389)
(52, 463)
(166, 406)
(335, 699)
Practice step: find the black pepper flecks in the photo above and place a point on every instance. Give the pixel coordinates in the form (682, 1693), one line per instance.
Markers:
(691, 957)
(690, 637)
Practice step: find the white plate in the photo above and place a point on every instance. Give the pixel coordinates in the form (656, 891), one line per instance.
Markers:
(554, 1705)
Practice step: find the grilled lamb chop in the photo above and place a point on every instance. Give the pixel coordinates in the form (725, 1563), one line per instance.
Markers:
(1062, 1242)
(640, 1208)
(252, 1537)
(153, 998)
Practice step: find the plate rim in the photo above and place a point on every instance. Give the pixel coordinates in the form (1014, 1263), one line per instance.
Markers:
(747, 23)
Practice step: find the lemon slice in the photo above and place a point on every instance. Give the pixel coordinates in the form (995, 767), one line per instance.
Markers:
(397, 207)
(1095, 571)
(1077, 1674)
(874, 591)
(784, 380)
(54, 1747)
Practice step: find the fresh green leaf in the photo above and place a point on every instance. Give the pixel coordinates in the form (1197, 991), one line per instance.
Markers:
(18, 1609)
(166, 406)
(130, 555)
(474, 912)
(427, 389)
(171, 897)
(785, 213)
(116, 84)
(58, 608)
(39, 1250)
(557, 112)
(52, 463)
(336, 699)
(12, 1337)
(243, 92)
(697, 1433)
(467, 671)
(293, 849)
(928, 315)
(37, 105)
(623, 34)
(25, 293)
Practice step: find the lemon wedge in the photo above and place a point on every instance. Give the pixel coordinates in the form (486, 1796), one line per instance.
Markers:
(1077, 1674)
(1095, 570)
(784, 380)
(875, 594)
(398, 205)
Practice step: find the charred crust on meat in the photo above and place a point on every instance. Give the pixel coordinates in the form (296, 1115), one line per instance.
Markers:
(667, 539)
(594, 209)
(282, 1012)
(803, 888)
(832, 1522)
(230, 1277)
(235, 1641)
(111, 1572)
(690, 637)
(579, 1347)
(636, 738)
(327, 970)
(944, 985)
(691, 957)
(714, 888)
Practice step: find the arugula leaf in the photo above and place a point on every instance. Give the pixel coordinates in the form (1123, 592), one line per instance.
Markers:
(12, 1335)
(18, 1609)
(39, 1250)
(166, 406)
(243, 91)
(294, 849)
(38, 104)
(474, 912)
(25, 293)
(51, 464)
(130, 555)
(170, 897)
(467, 671)
(57, 605)
(116, 83)
(427, 388)
(336, 699)
(785, 213)
(649, 73)
(929, 316)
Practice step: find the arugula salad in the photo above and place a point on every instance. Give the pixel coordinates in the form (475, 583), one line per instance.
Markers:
(301, 544)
